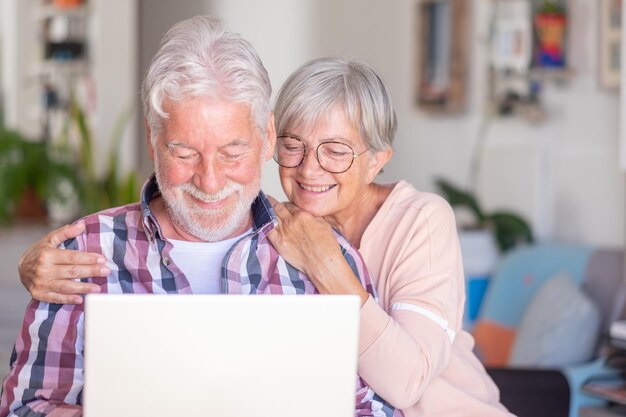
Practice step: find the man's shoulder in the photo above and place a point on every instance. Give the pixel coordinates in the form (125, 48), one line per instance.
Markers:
(253, 265)
(132, 210)
(118, 221)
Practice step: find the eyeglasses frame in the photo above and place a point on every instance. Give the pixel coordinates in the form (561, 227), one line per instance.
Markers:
(317, 155)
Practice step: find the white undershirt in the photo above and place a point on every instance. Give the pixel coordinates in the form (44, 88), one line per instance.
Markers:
(201, 262)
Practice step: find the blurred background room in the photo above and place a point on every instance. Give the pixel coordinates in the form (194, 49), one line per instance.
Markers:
(511, 109)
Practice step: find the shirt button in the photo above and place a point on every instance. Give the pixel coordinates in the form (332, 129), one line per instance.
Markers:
(166, 261)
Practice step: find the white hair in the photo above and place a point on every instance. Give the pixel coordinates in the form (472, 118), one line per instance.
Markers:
(200, 57)
(317, 87)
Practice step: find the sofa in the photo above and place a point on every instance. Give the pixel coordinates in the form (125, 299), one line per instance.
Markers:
(542, 327)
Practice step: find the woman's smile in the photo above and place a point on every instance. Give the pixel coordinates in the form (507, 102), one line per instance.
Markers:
(316, 188)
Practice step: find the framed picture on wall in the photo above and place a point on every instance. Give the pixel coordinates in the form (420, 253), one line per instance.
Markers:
(442, 49)
(610, 38)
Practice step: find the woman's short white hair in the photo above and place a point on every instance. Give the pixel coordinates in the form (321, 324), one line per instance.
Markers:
(200, 57)
(319, 86)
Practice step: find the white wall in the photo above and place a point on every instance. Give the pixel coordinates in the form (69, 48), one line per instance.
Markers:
(282, 32)
(155, 18)
(576, 193)
(563, 175)
(114, 62)
(19, 84)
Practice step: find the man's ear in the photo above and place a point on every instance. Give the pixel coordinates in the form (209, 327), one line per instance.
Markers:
(149, 144)
(377, 162)
(270, 138)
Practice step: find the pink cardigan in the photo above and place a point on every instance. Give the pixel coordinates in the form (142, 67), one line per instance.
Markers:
(414, 332)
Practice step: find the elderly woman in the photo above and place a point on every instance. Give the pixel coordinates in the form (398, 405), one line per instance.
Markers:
(335, 125)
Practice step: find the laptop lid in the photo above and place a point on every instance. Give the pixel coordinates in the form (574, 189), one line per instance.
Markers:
(220, 355)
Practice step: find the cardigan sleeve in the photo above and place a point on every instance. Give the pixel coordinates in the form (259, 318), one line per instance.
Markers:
(403, 349)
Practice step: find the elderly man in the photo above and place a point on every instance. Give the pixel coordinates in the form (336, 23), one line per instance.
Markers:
(210, 128)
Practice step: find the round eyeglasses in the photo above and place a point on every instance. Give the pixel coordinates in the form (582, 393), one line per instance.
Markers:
(333, 157)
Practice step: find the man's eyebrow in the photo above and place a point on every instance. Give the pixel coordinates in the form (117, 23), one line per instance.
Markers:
(177, 144)
(237, 142)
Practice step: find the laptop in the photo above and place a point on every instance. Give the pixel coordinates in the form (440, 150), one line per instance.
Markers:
(220, 355)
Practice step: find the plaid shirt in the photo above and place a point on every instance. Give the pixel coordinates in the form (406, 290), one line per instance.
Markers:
(47, 362)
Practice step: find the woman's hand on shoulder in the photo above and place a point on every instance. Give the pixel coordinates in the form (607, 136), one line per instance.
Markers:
(48, 272)
(301, 238)
(309, 244)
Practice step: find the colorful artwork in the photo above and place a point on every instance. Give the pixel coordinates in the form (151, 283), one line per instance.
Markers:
(610, 42)
(550, 28)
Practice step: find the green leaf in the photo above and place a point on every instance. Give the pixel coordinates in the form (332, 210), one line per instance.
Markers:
(460, 198)
(86, 147)
(510, 229)
(30, 164)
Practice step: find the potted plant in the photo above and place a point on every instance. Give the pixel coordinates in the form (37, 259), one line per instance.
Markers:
(488, 235)
(97, 192)
(508, 229)
(33, 170)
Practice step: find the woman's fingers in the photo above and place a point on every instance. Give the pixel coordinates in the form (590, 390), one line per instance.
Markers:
(57, 298)
(284, 210)
(74, 257)
(47, 271)
(61, 264)
(272, 200)
(75, 271)
(60, 235)
(64, 292)
(66, 287)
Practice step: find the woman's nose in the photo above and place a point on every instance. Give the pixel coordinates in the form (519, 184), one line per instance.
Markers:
(310, 164)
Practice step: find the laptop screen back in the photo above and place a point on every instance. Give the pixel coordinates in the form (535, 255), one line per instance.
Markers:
(220, 355)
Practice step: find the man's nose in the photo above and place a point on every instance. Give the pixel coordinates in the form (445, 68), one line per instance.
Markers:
(209, 175)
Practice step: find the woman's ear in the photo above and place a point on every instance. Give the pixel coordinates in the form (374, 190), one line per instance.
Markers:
(270, 138)
(377, 162)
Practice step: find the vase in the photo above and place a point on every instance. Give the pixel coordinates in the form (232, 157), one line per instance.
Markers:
(480, 255)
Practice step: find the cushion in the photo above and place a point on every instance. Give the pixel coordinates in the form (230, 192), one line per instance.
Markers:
(493, 343)
(559, 327)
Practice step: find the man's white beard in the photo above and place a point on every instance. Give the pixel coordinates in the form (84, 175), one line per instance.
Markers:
(206, 224)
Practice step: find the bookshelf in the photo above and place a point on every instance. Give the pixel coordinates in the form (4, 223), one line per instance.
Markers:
(609, 387)
(62, 62)
(528, 48)
(105, 72)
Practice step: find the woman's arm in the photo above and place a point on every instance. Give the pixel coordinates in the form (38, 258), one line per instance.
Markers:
(49, 273)
(403, 349)
(414, 334)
